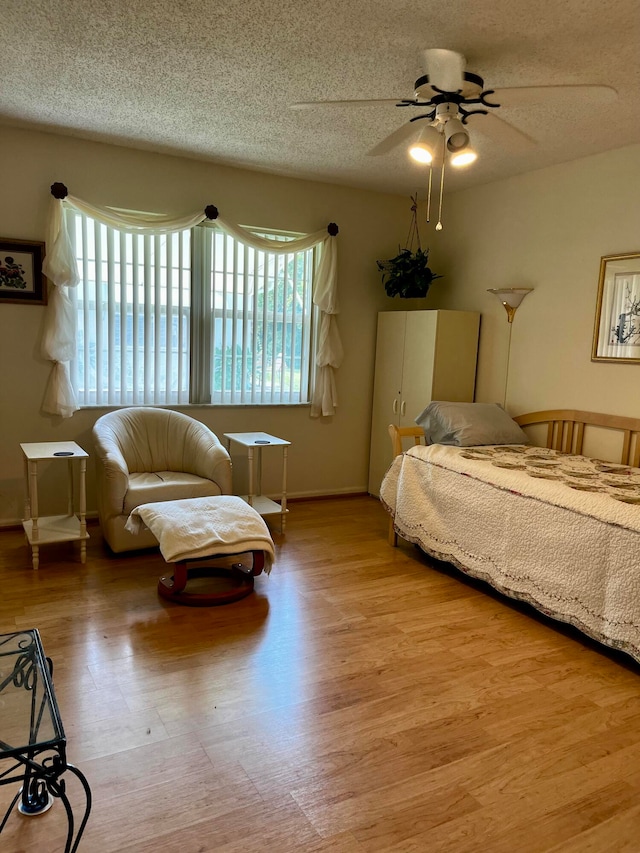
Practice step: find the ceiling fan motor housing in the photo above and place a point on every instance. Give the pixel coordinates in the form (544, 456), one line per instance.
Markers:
(472, 87)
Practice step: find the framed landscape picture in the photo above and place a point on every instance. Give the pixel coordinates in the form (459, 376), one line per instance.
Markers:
(616, 335)
(21, 278)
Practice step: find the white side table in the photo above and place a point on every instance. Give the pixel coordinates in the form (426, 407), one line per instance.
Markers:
(71, 527)
(260, 440)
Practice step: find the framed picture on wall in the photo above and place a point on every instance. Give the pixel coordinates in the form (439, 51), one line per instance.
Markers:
(21, 278)
(616, 334)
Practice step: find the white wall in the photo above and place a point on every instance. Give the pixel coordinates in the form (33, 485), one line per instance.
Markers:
(328, 455)
(546, 230)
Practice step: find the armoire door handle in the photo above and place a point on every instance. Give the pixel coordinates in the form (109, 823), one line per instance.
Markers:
(395, 406)
(403, 408)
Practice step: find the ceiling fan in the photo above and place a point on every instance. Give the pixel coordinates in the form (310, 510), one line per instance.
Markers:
(447, 95)
(445, 98)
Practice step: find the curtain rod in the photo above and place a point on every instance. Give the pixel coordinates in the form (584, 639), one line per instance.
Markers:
(59, 191)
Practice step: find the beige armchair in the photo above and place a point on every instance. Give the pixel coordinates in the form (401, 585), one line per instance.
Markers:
(144, 454)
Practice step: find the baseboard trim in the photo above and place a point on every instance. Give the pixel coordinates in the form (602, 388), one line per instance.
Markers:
(16, 524)
(92, 517)
(327, 497)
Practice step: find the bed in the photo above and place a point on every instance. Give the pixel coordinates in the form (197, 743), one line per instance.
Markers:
(544, 523)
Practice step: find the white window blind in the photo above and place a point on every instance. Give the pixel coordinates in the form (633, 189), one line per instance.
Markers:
(133, 315)
(259, 328)
(194, 316)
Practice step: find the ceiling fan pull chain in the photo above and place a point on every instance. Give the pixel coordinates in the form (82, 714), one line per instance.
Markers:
(444, 151)
(429, 191)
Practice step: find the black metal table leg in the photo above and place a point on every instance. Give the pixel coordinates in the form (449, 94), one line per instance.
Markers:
(39, 755)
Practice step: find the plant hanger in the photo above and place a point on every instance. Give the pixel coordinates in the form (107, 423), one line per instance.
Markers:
(408, 274)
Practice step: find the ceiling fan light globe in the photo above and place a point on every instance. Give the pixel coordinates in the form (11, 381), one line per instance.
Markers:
(457, 142)
(456, 135)
(425, 146)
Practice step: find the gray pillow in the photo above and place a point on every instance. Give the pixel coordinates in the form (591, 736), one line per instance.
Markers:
(469, 424)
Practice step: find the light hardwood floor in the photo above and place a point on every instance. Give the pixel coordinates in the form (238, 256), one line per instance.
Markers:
(362, 699)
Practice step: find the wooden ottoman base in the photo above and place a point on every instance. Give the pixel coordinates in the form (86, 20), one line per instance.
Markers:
(240, 581)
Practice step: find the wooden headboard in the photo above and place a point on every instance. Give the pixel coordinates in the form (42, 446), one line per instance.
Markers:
(565, 431)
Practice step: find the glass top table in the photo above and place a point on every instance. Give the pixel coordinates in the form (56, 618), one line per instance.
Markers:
(32, 734)
(29, 716)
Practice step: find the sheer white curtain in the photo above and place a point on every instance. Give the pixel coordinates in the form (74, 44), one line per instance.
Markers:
(59, 337)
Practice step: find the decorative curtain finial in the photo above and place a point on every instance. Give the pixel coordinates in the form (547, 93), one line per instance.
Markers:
(333, 229)
(59, 190)
(211, 211)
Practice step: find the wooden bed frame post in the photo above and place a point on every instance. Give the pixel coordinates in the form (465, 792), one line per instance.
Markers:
(397, 434)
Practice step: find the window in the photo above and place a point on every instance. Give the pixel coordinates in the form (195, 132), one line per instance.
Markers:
(194, 316)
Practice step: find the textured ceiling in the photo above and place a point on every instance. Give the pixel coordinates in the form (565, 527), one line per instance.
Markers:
(215, 80)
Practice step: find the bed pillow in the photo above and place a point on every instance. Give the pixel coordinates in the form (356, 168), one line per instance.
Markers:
(469, 424)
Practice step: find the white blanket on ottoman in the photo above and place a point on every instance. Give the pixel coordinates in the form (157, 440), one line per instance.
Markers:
(204, 527)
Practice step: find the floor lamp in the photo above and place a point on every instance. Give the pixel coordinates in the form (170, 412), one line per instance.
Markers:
(510, 297)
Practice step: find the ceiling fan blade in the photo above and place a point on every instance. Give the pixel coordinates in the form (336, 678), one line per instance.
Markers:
(512, 97)
(505, 134)
(445, 68)
(307, 105)
(402, 134)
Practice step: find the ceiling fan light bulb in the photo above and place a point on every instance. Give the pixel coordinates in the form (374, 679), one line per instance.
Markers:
(464, 157)
(420, 153)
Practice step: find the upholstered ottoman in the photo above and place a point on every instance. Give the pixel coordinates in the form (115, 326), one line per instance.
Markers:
(197, 530)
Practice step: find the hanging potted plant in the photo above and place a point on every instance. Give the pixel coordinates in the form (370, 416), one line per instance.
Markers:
(408, 275)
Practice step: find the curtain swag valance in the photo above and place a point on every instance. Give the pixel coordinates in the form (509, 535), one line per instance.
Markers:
(59, 335)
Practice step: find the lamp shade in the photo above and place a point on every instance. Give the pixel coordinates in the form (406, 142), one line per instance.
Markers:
(510, 297)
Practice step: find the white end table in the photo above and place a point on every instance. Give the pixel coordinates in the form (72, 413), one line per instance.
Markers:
(260, 440)
(71, 527)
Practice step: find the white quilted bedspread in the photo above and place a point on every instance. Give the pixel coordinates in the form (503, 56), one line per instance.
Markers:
(561, 532)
